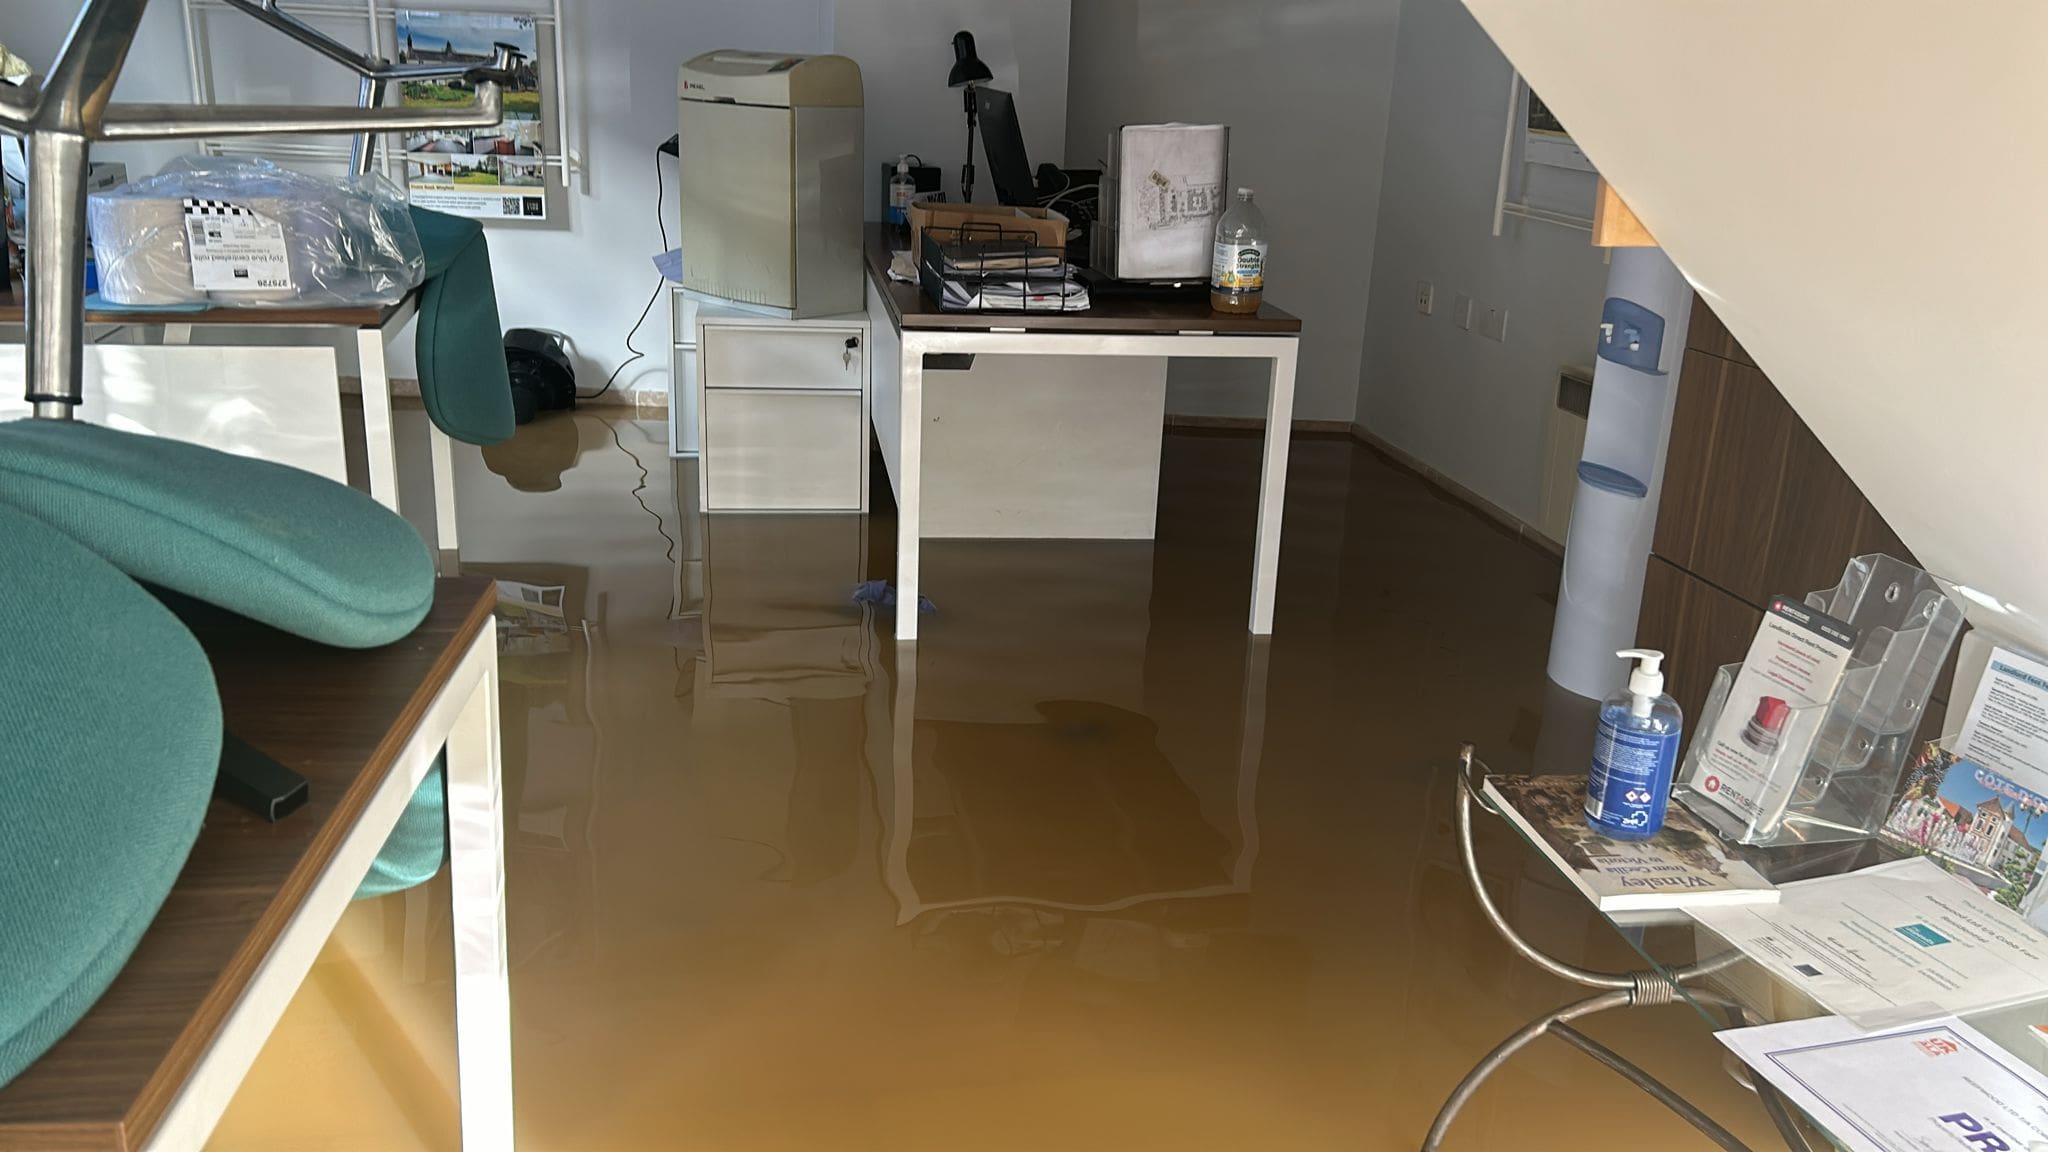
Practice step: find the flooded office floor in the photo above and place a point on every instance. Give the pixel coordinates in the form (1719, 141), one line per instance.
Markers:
(1090, 869)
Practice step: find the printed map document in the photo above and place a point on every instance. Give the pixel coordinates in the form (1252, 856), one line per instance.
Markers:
(1891, 944)
(1936, 1086)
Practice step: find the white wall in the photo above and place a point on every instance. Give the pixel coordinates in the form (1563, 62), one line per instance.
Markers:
(1885, 268)
(1304, 86)
(904, 48)
(156, 70)
(592, 280)
(1472, 408)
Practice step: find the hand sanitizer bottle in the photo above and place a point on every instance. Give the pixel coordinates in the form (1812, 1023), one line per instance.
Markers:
(902, 190)
(1635, 753)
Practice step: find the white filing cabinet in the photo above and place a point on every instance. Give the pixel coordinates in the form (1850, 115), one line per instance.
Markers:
(782, 409)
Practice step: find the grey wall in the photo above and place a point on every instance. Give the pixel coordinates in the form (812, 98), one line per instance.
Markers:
(1304, 86)
(905, 48)
(1472, 408)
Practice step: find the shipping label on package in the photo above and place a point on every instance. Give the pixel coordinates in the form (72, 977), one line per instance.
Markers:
(235, 249)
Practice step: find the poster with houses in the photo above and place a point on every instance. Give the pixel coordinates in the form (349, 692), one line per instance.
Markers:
(494, 173)
(1979, 824)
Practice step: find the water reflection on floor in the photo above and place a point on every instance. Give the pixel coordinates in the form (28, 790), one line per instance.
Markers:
(1087, 868)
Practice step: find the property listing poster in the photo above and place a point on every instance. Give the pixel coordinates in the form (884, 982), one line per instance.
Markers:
(484, 173)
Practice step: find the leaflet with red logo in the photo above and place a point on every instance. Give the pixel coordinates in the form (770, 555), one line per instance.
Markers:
(1939, 1085)
(1758, 747)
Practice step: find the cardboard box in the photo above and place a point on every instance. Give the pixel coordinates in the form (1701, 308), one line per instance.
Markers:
(1045, 226)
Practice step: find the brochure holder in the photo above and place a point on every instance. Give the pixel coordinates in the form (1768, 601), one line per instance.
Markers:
(1837, 763)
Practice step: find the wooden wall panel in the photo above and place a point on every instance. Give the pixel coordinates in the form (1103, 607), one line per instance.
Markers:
(1753, 506)
(1692, 439)
(1701, 626)
(1705, 333)
(1742, 484)
(1822, 516)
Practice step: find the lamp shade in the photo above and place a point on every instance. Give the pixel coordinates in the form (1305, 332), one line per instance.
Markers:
(968, 70)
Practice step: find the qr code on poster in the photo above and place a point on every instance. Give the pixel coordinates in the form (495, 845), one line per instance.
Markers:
(509, 205)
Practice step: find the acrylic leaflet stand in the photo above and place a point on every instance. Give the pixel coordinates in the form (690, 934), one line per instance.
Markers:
(1837, 762)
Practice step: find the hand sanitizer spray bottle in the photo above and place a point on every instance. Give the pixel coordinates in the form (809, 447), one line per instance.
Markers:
(1634, 754)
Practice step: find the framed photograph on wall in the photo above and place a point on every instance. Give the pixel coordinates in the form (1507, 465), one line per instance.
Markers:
(484, 173)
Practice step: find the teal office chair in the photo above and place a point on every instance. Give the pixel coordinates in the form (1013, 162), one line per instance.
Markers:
(114, 726)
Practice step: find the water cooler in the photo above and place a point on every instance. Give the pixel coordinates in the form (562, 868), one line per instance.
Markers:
(1607, 547)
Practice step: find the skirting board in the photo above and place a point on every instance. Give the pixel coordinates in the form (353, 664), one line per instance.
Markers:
(1257, 424)
(1526, 532)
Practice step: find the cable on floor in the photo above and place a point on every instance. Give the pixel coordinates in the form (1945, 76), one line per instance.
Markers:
(660, 525)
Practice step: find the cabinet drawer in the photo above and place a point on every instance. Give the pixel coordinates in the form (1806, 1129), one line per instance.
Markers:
(771, 450)
(789, 357)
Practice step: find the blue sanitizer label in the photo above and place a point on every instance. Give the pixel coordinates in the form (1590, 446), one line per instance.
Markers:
(1628, 776)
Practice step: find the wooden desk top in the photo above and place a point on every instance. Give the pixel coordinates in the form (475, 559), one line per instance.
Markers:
(13, 311)
(909, 307)
(340, 718)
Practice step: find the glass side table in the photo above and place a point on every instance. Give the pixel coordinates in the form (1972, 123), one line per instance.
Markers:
(1683, 963)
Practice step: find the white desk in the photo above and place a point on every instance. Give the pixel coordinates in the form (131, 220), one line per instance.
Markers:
(156, 1060)
(372, 329)
(906, 327)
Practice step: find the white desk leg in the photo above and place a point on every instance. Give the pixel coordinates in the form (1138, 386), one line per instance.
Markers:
(177, 335)
(902, 775)
(1273, 486)
(378, 439)
(909, 481)
(476, 865)
(444, 488)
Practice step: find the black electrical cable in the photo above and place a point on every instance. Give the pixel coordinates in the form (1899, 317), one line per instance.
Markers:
(660, 282)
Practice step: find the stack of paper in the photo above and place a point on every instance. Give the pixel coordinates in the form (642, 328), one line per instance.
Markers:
(998, 295)
(1890, 945)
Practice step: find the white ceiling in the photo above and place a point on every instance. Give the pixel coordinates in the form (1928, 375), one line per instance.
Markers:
(1861, 193)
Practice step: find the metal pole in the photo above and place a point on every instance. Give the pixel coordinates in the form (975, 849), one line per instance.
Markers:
(56, 273)
(1654, 1087)
(363, 152)
(66, 114)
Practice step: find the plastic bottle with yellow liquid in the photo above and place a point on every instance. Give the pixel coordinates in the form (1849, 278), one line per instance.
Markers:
(1237, 275)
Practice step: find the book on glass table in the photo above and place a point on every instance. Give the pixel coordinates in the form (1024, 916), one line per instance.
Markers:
(1683, 866)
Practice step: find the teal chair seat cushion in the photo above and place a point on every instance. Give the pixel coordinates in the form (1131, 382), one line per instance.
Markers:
(112, 738)
(418, 843)
(276, 544)
(458, 344)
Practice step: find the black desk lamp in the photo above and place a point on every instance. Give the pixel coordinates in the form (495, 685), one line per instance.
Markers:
(968, 74)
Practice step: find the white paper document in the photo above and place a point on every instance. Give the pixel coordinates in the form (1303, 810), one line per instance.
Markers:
(1890, 945)
(1934, 1087)
(2006, 729)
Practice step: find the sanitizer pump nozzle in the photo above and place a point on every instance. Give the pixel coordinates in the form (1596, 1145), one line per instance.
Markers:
(1646, 679)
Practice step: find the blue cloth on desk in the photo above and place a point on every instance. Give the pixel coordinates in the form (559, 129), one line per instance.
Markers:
(94, 302)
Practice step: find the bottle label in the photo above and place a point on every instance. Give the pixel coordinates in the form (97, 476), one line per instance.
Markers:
(1239, 266)
(1631, 776)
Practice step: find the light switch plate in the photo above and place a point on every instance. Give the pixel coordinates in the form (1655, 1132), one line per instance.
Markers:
(1495, 325)
(1461, 311)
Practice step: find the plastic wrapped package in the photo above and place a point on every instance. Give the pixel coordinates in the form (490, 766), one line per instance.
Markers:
(243, 233)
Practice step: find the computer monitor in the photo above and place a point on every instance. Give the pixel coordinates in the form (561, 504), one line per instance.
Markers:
(1003, 140)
